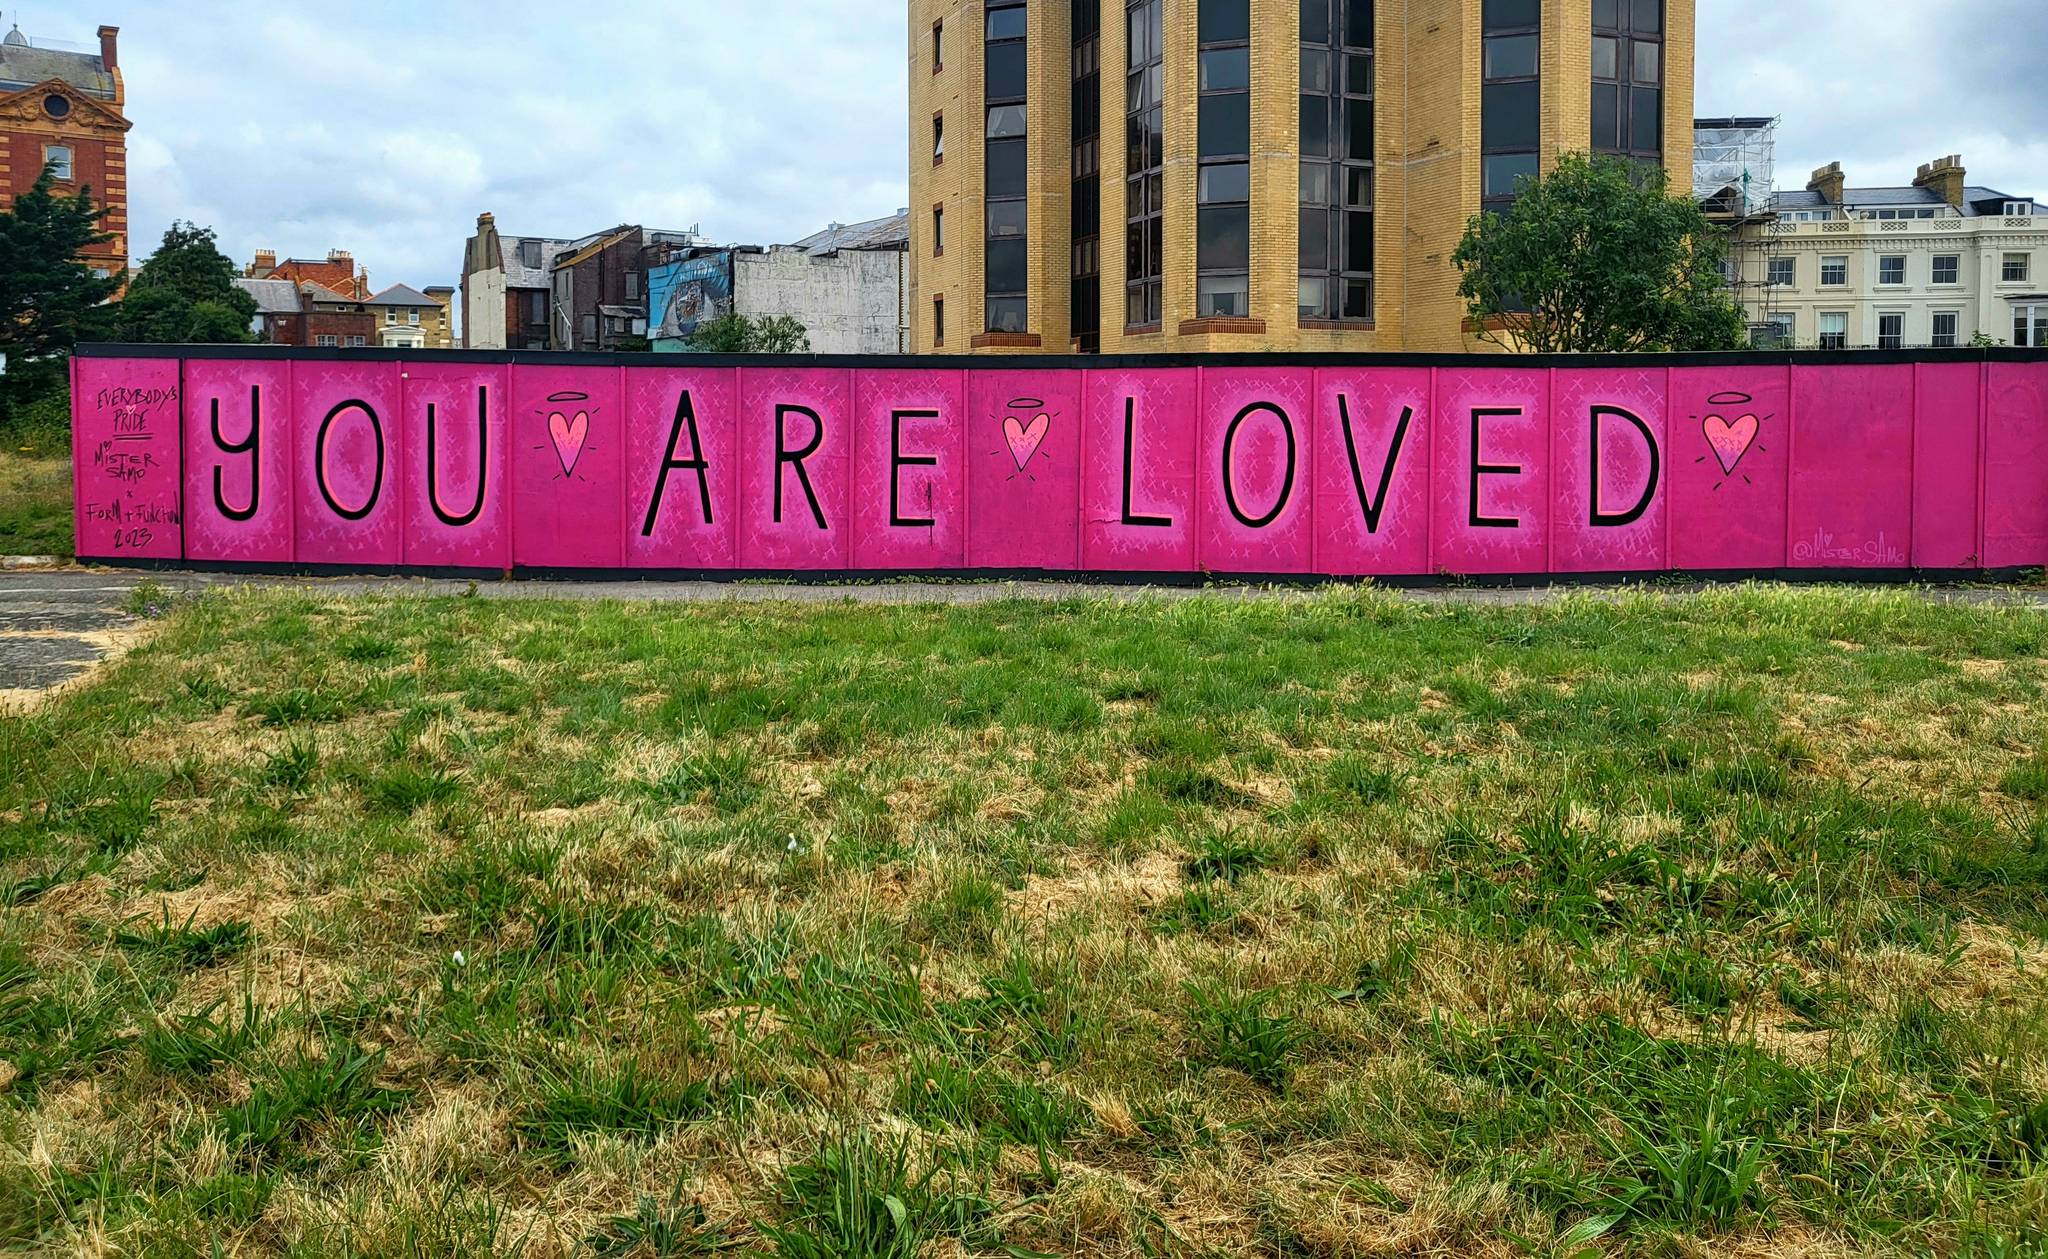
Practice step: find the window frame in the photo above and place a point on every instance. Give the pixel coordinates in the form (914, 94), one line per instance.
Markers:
(1211, 213)
(1826, 266)
(1144, 73)
(1489, 31)
(1822, 336)
(1084, 296)
(1939, 340)
(1955, 268)
(1349, 109)
(1891, 340)
(2030, 318)
(1623, 81)
(1791, 265)
(63, 169)
(1885, 268)
(2024, 269)
(1005, 310)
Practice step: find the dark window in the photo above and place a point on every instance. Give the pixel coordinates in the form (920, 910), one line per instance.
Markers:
(1223, 140)
(1006, 170)
(938, 46)
(1510, 99)
(1144, 165)
(938, 321)
(1337, 140)
(1628, 79)
(1086, 200)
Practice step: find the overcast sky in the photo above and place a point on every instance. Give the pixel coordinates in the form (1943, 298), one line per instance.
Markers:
(385, 126)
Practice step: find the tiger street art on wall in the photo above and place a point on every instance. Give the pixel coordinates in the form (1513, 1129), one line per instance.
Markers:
(1253, 465)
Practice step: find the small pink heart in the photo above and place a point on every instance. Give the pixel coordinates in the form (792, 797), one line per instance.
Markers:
(1025, 439)
(1731, 441)
(569, 435)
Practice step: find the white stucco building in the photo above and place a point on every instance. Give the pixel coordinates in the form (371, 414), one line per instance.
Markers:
(1928, 264)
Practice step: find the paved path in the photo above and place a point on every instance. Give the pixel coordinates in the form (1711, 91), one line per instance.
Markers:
(56, 624)
(55, 627)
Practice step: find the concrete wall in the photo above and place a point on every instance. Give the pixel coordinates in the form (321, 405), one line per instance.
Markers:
(483, 310)
(852, 302)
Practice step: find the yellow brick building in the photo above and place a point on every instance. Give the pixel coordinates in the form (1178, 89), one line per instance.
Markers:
(1150, 176)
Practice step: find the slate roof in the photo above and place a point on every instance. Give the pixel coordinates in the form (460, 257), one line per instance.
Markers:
(402, 295)
(889, 233)
(520, 276)
(273, 297)
(1893, 198)
(23, 66)
(318, 293)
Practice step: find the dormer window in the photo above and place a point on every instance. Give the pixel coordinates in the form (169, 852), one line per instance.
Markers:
(2019, 209)
(56, 106)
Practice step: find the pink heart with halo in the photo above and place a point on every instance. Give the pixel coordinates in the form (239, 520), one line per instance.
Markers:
(569, 435)
(1025, 439)
(1731, 441)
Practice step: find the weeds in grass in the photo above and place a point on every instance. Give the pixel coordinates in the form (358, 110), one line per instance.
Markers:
(1238, 1030)
(621, 1099)
(406, 788)
(182, 944)
(660, 1230)
(858, 1198)
(338, 1085)
(199, 1043)
(1230, 855)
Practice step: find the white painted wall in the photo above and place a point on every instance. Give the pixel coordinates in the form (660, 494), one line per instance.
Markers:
(483, 312)
(851, 303)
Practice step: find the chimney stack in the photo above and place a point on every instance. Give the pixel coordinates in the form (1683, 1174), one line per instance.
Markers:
(1829, 182)
(109, 37)
(1945, 176)
(266, 262)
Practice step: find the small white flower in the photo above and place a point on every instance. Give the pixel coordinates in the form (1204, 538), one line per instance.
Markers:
(792, 843)
(460, 960)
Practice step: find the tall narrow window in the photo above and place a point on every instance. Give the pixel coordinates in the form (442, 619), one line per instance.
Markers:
(1006, 262)
(1336, 159)
(1628, 78)
(938, 46)
(1086, 210)
(57, 158)
(1223, 187)
(1510, 100)
(938, 321)
(938, 231)
(1144, 164)
(938, 138)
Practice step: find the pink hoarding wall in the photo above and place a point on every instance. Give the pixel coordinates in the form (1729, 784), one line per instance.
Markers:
(1257, 466)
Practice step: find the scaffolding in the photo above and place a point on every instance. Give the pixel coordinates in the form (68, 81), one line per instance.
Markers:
(1733, 178)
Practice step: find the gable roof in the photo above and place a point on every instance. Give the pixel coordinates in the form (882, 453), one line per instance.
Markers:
(22, 66)
(402, 295)
(273, 297)
(520, 276)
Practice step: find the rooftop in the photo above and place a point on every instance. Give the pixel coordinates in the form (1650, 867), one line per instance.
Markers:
(888, 233)
(273, 297)
(402, 295)
(25, 63)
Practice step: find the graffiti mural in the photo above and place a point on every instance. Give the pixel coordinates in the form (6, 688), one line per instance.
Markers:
(1264, 466)
(686, 293)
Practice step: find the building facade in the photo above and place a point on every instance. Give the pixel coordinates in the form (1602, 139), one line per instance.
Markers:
(408, 319)
(65, 111)
(544, 293)
(337, 272)
(847, 285)
(302, 313)
(1929, 264)
(1230, 175)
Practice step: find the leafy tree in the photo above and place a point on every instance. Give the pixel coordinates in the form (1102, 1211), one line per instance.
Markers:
(737, 334)
(49, 297)
(1599, 257)
(186, 293)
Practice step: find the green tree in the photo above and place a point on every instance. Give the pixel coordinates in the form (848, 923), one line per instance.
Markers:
(185, 293)
(1599, 257)
(737, 334)
(49, 297)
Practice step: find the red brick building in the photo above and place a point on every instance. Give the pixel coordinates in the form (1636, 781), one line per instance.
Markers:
(337, 273)
(65, 109)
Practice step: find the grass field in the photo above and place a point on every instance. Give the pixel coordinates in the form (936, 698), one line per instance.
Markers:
(1323, 927)
(35, 494)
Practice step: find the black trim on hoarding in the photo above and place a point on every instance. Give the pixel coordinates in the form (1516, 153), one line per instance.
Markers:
(1064, 362)
(958, 576)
